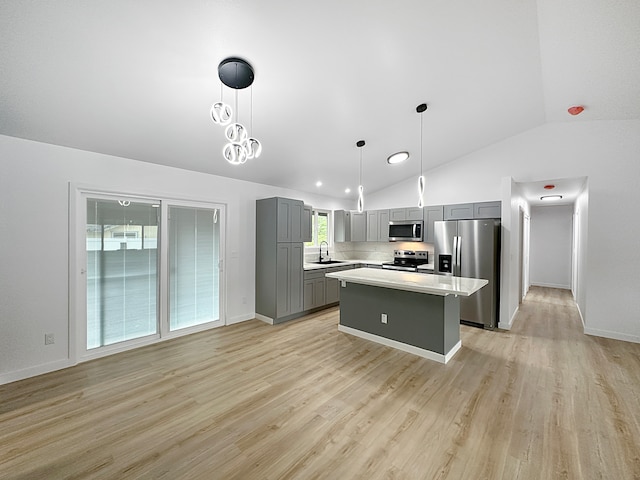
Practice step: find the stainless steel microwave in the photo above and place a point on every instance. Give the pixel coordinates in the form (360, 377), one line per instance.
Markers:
(406, 231)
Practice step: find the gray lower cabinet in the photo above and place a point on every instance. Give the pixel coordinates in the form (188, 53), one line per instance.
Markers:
(314, 289)
(332, 291)
(319, 290)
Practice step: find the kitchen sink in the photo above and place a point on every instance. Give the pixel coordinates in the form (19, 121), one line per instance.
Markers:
(328, 262)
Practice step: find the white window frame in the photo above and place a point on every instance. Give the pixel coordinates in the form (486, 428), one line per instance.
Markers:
(314, 223)
(77, 269)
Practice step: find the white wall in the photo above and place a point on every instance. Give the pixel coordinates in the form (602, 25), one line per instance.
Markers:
(34, 238)
(604, 151)
(551, 246)
(581, 228)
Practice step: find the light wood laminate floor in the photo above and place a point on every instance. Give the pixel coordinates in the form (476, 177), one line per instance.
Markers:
(302, 400)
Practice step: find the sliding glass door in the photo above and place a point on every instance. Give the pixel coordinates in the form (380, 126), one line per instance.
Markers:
(148, 269)
(121, 273)
(194, 261)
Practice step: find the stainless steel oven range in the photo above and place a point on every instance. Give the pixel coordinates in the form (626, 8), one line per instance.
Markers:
(407, 260)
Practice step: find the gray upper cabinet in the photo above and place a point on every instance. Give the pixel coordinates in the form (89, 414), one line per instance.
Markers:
(409, 213)
(397, 214)
(383, 225)
(349, 226)
(487, 210)
(341, 226)
(432, 214)
(372, 225)
(289, 220)
(358, 227)
(415, 213)
(377, 225)
(460, 211)
(469, 211)
(307, 234)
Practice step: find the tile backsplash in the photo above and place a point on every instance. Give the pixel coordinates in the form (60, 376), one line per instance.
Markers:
(381, 251)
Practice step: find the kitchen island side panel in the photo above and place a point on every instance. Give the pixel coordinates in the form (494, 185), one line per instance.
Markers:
(422, 320)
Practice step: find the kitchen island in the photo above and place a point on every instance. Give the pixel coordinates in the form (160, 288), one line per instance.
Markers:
(414, 312)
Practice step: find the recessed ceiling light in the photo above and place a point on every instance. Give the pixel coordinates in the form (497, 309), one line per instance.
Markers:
(347, 190)
(318, 183)
(397, 157)
(551, 197)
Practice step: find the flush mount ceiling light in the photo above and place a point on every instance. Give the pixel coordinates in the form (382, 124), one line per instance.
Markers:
(360, 144)
(318, 183)
(238, 74)
(421, 109)
(397, 157)
(551, 197)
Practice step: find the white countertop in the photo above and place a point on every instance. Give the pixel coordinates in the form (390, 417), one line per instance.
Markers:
(411, 281)
(315, 266)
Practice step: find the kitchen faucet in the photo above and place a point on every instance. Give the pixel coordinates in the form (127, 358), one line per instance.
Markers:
(321, 250)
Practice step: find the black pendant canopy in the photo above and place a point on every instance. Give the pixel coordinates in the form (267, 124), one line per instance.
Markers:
(235, 73)
(421, 108)
(360, 143)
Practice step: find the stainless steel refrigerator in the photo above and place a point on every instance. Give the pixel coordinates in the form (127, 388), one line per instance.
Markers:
(471, 248)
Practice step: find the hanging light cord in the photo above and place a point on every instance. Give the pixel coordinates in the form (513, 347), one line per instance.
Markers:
(236, 108)
(360, 165)
(421, 130)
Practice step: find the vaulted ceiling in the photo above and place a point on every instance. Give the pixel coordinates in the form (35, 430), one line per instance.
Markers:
(137, 79)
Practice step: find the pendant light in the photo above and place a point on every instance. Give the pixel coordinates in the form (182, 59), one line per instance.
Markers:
(360, 144)
(238, 74)
(420, 109)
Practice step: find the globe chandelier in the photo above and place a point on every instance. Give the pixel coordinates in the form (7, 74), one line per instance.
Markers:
(238, 74)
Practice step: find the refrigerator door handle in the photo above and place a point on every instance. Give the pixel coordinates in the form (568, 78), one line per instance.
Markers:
(454, 260)
(459, 254)
(457, 244)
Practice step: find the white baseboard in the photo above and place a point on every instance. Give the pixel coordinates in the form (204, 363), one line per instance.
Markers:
(35, 371)
(240, 318)
(264, 319)
(428, 354)
(551, 285)
(580, 313)
(612, 335)
(507, 326)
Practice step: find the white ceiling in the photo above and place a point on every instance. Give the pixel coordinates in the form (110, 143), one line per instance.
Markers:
(137, 79)
(568, 188)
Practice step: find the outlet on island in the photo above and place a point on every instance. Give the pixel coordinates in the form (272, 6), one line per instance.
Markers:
(383, 318)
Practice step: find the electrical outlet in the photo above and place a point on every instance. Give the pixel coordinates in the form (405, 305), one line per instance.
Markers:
(49, 339)
(383, 318)
(244, 300)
